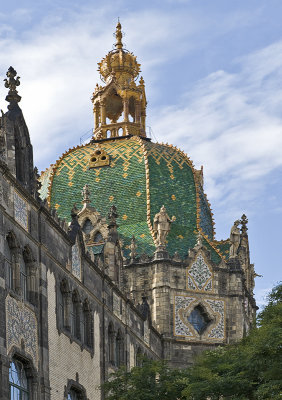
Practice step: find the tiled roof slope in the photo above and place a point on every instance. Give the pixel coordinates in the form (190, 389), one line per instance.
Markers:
(142, 176)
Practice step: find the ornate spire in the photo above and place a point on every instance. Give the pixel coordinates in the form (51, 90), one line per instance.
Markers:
(120, 106)
(118, 44)
(11, 83)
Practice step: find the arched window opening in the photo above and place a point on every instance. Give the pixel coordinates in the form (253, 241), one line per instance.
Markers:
(199, 319)
(131, 106)
(108, 133)
(64, 301)
(23, 278)
(13, 267)
(120, 132)
(87, 227)
(31, 276)
(119, 349)
(111, 344)
(74, 394)
(75, 315)
(87, 325)
(18, 382)
(139, 357)
(98, 239)
(9, 261)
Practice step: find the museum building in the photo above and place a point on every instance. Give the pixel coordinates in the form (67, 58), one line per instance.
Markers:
(110, 254)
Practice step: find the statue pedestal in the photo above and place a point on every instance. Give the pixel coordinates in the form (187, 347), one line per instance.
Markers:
(161, 253)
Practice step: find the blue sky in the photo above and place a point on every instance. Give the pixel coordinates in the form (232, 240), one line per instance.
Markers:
(213, 75)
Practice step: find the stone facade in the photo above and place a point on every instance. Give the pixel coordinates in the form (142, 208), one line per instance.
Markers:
(80, 298)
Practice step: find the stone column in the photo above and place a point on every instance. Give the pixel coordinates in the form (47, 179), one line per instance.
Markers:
(125, 109)
(137, 111)
(143, 120)
(96, 116)
(103, 113)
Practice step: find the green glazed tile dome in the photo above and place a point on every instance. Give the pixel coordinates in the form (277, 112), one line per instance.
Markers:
(141, 177)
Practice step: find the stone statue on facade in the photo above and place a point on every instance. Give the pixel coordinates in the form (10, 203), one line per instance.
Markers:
(161, 226)
(133, 248)
(234, 239)
(85, 194)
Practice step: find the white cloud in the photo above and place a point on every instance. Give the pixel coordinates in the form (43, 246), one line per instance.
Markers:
(231, 123)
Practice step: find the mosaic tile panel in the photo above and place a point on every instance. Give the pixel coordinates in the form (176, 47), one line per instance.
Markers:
(199, 275)
(76, 262)
(184, 305)
(21, 325)
(218, 332)
(181, 328)
(20, 210)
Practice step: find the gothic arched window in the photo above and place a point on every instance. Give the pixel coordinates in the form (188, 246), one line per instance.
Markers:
(75, 315)
(111, 343)
(9, 261)
(98, 238)
(139, 360)
(87, 227)
(119, 349)
(64, 304)
(87, 325)
(23, 278)
(18, 382)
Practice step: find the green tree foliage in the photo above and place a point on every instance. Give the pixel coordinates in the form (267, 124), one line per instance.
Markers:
(250, 369)
(151, 381)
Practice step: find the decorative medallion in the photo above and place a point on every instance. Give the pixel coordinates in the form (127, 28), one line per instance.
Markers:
(20, 210)
(76, 262)
(21, 326)
(199, 276)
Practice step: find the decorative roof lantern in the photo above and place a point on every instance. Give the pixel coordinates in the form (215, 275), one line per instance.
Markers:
(120, 106)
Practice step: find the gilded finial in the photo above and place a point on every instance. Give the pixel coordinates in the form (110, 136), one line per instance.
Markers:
(118, 44)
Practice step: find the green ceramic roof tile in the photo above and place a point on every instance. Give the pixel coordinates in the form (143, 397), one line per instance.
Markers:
(170, 181)
(223, 247)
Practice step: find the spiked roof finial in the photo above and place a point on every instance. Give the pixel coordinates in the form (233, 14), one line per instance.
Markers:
(118, 44)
